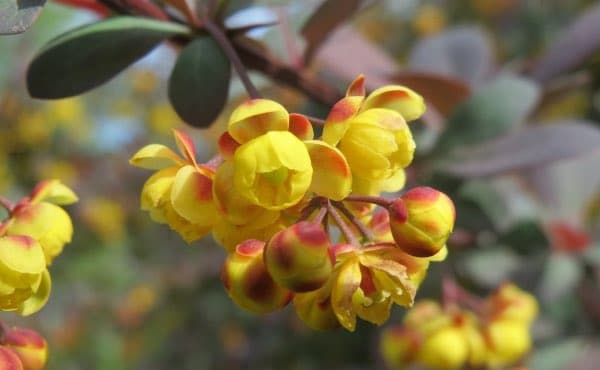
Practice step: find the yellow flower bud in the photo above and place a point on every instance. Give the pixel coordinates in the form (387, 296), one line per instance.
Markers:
(248, 282)
(30, 347)
(446, 348)
(298, 257)
(510, 302)
(273, 170)
(315, 310)
(508, 341)
(421, 221)
(399, 345)
(9, 359)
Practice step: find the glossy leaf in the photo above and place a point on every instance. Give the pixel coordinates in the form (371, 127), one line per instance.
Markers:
(88, 56)
(532, 146)
(199, 83)
(577, 43)
(490, 112)
(17, 16)
(329, 15)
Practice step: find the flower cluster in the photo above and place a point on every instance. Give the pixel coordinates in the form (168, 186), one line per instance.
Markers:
(34, 233)
(22, 349)
(298, 215)
(495, 333)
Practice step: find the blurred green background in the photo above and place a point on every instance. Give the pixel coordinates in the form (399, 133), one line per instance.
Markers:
(512, 134)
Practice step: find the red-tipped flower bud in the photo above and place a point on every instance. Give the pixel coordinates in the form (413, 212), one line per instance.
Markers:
(29, 345)
(421, 221)
(248, 282)
(297, 258)
(9, 359)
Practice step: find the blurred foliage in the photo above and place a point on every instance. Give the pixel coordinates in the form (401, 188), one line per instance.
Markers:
(517, 149)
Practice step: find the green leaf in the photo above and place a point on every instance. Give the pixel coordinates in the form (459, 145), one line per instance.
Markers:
(491, 266)
(556, 356)
(88, 56)
(16, 16)
(561, 275)
(199, 83)
(531, 147)
(491, 111)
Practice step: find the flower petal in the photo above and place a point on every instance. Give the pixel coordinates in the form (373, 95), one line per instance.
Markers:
(256, 117)
(357, 87)
(301, 127)
(53, 191)
(347, 281)
(398, 98)
(39, 298)
(155, 157)
(191, 195)
(22, 254)
(336, 123)
(331, 173)
(185, 145)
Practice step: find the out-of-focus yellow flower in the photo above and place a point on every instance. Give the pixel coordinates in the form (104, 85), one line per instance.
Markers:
(33, 129)
(272, 170)
(40, 217)
(429, 19)
(64, 171)
(162, 119)
(105, 217)
(366, 283)
(144, 81)
(66, 112)
(507, 340)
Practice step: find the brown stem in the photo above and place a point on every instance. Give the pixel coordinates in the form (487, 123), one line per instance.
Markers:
(217, 33)
(6, 204)
(365, 231)
(257, 58)
(315, 120)
(321, 215)
(344, 228)
(140, 7)
(369, 199)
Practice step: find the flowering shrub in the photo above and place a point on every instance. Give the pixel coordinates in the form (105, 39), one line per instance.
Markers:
(297, 214)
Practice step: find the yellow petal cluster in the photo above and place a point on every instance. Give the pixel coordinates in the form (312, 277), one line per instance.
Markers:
(275, 193)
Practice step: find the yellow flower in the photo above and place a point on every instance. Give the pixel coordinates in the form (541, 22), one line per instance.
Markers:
(39, 217)
(180, 193)
(22, 272)
(377, 143)
(366, 283)
(256, 117)
(508, 340)
(272, 170)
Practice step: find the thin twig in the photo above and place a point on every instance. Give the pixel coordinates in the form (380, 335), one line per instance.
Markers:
(321, 215)
(369, 199)
(345, 229)
(364, 230)
(217, 33)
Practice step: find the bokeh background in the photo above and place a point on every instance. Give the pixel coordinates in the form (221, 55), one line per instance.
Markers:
(512, 134)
